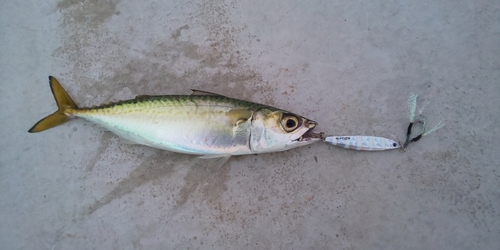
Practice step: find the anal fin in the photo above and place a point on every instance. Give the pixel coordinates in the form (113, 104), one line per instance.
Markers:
(218, 162)
(128, 141)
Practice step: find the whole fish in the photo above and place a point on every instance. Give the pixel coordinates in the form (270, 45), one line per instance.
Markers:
(204, 123)
(365, 143)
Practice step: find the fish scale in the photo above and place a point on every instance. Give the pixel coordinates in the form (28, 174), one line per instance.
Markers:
(166, 122)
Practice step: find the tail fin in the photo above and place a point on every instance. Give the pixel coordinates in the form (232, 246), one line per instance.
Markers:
(59, 117)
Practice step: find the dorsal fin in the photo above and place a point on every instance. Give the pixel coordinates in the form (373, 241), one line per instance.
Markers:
(201, 92)
(142, 96)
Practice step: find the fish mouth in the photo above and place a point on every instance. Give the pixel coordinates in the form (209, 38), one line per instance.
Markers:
(310, 135)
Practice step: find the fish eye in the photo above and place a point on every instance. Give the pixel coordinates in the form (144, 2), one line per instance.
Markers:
(394, 144)
(289, 123)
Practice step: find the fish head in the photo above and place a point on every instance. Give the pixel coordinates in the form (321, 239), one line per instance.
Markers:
(280, 130)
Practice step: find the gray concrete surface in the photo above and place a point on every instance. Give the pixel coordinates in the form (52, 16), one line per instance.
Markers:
(350, 65)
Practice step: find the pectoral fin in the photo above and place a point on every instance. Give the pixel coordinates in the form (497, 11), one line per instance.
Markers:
(237, 116)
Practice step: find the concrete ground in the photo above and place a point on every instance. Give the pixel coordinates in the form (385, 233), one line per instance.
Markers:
(349, 65)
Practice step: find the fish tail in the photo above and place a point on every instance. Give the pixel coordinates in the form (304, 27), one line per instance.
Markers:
(64, 103)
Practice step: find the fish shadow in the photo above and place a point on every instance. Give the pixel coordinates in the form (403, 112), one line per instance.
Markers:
(157, 166)
(201, 176)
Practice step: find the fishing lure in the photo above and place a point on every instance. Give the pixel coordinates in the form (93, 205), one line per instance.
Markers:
(373, 143)
(418, 119)
(364, 143)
